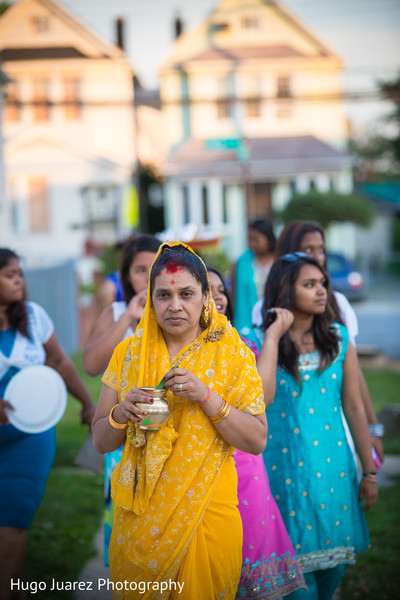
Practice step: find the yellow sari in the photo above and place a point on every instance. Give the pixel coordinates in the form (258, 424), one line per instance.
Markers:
(176, 520)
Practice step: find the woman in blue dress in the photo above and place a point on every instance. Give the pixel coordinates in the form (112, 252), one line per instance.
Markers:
(310, 465)
(26, 338)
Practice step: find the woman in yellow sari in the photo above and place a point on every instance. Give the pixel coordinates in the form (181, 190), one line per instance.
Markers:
(177, 530)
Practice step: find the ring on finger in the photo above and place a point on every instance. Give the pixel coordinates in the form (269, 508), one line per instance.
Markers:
(178, 387)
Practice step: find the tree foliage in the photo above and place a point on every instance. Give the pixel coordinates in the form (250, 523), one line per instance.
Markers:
(379, 152)
(4, 6)
(328, 208)
(391, 91)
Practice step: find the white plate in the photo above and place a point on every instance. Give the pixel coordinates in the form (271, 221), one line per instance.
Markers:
(39, 397)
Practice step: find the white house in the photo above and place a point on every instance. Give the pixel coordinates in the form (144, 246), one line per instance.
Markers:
(69, 133)
(252, 112)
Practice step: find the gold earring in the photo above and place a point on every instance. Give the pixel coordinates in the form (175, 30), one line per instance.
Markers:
(205, 317)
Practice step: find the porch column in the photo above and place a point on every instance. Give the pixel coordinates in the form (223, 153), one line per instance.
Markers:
(235, 242)
(174, 211)
(195, 203)
(214, 199)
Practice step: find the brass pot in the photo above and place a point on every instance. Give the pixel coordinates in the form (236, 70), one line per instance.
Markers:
(157, 412)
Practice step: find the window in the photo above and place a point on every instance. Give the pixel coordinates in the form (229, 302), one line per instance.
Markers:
(39, 24)
(253, 107)
(12, 110)
(224, 104)
(284, 93)
(101, 202)
(38, 204)
(250, 22)
(252, 87)
(223, 109)
(41, 108)
(283, 87)
(16, 207)
(218, 27)
(72, 108)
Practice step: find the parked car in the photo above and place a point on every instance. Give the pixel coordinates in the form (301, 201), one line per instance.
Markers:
(344, 276)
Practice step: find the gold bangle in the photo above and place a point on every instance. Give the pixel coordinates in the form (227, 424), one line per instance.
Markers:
(370, 477)
(221, 414)
(114, 423)
(218, 414)
(226, 413)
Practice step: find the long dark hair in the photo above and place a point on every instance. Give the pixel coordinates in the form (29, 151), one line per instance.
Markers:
(280, 292)
(290, 240)
(264, 226)
(229, 307)
(131, 248)
(17, 313)
(291, 236)
(179, 257)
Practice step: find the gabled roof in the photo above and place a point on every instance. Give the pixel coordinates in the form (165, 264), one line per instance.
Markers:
(269, 158)
(71, 33)
(282, 36)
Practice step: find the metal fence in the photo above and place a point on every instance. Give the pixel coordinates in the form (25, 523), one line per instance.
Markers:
(55, 288)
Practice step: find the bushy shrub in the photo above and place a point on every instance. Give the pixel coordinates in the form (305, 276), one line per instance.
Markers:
(328, 208)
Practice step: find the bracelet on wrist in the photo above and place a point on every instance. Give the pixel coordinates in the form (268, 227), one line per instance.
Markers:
(206, 398)
(221, 414)
(114, 423)
(372, 477)
(376, 429)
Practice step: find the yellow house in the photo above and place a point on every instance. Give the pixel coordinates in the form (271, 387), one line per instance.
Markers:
(69, 132)
(253, 111)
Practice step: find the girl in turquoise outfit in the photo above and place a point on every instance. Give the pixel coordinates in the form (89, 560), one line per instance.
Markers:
(310, 465)
(251, 271)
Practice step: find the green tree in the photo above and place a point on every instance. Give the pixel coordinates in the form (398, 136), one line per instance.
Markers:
(391, 91)
(4, 6)
(328, 208)
(381, 153)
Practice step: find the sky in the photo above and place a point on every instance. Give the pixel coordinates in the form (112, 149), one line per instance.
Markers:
(365, 33)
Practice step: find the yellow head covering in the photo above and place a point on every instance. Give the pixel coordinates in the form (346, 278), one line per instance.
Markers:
(149, 319)
(220, 359)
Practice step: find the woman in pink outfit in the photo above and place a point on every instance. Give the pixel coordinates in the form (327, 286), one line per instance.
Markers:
(270, 568)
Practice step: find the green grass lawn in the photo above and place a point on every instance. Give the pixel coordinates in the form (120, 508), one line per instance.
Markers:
(62, 533)
(376, 576)
(384, 387)
(61, 537)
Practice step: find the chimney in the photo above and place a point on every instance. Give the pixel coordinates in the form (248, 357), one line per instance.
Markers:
(120, 32)
(178, 27)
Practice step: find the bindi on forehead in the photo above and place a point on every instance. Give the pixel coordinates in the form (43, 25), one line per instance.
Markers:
(172, 282)
(173, 266)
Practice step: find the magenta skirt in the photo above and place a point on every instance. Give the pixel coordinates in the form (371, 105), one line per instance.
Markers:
(270, 567)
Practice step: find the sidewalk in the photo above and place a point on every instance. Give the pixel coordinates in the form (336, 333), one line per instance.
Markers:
(95, 572)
